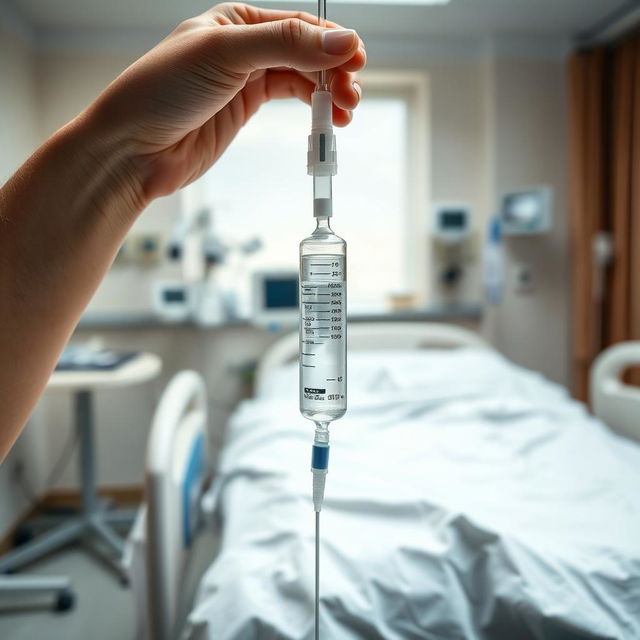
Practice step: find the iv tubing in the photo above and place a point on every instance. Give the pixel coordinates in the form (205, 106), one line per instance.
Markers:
(317, 608)
(322, 21)
(322, 122)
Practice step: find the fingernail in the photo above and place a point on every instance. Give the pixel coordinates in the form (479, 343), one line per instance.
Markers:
(338, 41)
(358, 89)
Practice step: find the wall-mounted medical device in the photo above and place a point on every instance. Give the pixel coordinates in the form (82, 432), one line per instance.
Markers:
(275, 297)
(527, 211)
(451, 222)
(493, 263)
(173, 301)
(452, 248)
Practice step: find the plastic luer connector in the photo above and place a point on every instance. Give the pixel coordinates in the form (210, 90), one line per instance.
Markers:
(322, 159)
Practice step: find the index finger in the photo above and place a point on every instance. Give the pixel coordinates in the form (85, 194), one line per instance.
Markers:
(240, 13)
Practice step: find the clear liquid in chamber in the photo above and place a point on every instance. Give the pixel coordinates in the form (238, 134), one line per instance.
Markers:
(323, 375)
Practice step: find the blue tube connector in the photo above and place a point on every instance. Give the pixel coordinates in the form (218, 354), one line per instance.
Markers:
(319, 463)
(320, 457)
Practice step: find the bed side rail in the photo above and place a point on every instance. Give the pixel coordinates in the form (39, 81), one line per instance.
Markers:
(617, 404)
(174, 478)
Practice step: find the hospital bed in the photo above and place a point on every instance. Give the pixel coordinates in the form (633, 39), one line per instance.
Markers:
(496, 506)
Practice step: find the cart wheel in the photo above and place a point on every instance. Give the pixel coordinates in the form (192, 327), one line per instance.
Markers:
(65, 601)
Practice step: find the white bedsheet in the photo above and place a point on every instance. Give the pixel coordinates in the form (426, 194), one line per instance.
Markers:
(466, 498)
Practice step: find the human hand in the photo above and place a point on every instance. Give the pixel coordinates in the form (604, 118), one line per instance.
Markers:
(157, 127)
(177, 108)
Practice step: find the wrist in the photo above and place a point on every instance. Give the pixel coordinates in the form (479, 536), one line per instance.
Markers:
(72, 202)
(123, 141)
(103, 165)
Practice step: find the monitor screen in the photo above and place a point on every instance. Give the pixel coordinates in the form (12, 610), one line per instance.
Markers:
(453, 219)
(522, 208)
(174, 295)
(281, 293)
(526, 211)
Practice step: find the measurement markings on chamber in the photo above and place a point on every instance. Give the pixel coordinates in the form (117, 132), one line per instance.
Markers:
(325, 295)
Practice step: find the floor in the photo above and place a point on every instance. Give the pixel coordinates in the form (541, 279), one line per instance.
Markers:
(98, 593)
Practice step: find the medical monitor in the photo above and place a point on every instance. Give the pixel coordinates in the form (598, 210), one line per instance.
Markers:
(527, 211)
(173, 300)
(451, 222)
(275, 297)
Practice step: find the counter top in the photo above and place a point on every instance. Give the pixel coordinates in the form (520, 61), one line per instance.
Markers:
(433, 313)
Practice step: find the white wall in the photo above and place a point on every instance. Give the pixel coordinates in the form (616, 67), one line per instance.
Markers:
(528, 147)
(18, 106)
(498, 122)
(456, 130)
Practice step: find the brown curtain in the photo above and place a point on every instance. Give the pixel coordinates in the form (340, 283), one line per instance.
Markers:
(604, 202)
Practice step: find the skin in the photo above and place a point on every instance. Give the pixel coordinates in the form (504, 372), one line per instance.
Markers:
(159, 126)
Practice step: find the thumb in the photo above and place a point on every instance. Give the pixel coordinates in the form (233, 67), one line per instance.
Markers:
(284, 43)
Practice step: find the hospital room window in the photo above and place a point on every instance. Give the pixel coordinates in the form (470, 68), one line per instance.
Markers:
(260, 188)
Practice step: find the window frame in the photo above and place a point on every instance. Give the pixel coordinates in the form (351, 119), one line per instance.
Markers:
(413, 87)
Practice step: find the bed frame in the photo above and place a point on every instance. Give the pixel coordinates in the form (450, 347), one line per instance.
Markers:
(378, 335)
(174, 492)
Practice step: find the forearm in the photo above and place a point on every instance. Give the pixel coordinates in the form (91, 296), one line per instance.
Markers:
(63, 216)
